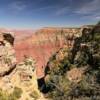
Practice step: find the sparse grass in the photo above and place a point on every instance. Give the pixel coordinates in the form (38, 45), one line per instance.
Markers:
(15, 95)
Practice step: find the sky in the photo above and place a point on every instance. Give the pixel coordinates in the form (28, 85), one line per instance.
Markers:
(34, 14)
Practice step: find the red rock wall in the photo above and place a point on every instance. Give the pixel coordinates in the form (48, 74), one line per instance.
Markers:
(42, 44)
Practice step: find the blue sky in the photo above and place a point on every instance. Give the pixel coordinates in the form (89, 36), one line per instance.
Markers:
(44, 13)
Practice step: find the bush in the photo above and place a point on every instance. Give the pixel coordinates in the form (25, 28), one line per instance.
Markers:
(34, 95)
(16, 93)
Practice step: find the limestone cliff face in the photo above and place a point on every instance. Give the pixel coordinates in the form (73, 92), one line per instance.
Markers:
(43, 43)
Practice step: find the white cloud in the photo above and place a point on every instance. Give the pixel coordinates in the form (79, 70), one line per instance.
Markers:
(97, 17)
(89, 7)
(93, 17)
(62, 11)
(44, 8)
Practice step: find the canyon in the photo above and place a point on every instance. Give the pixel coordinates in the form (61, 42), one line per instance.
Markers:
(53, 55)
(42, 44)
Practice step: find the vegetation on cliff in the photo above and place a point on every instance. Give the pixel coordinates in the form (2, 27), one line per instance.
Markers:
(77, 75)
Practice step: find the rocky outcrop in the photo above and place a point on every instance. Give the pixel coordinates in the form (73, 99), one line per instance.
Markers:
(23, 77)
(7, 54)
(13, 74)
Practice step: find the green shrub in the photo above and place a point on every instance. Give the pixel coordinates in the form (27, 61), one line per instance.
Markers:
(3, 95)
(16, 93)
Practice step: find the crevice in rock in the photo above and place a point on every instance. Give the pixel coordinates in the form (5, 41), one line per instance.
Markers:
(8, 72)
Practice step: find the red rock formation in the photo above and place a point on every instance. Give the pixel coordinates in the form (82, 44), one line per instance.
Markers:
(42, 44)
